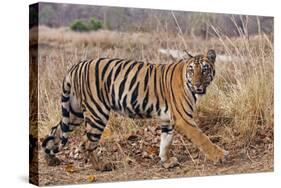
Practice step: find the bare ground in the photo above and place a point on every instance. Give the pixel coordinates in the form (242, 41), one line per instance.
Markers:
(134, 157)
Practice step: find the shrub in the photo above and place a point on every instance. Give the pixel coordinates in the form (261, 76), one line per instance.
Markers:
(95, 24)
(83, 26)
(79, 25)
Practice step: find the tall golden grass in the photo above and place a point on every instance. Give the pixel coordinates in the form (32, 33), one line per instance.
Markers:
(237, 106)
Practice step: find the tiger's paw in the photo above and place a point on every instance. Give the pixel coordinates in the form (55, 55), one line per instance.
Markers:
(170, 163)
(52, 160)
(218, 156)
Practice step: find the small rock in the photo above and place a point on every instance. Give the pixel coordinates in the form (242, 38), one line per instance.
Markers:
(145, 154)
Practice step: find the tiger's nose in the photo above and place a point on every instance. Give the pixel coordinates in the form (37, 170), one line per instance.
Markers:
(197, 84)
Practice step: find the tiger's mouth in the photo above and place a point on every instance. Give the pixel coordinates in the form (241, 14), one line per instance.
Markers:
(199, 90)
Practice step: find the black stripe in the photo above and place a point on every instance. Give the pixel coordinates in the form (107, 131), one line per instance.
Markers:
(65, 112)
(124, 103)
(44, 143)
(113, 98)
(63, 89)
(76, 76)
(117, 71)
(149, 110)
(104, 102)
(85, 88)
(64, 127)
(135, 76)
(64, 99)
(193, 94)
(146, 79)
(166, 129)
(108, 80)
(187, 101)
(93, 125)
(80, 70)
(159, 112)
(96, 117)
(188, 114)
(135, 94)
(91, 135)
(130, 68)
(100, 91)
(161, 83)
(77, 114)
(151, 69)
(97, 77)
(92, 110)
(106, 67)
(145, 100)
(54, 129)
(122, 84)
(73, 67)
(121, 88)
(167, 70)
(155, 89)
(126, 63)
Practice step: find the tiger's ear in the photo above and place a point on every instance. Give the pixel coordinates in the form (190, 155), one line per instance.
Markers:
(211, 55)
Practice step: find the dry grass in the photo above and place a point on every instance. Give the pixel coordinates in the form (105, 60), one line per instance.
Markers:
(237, 111)
(237, 108)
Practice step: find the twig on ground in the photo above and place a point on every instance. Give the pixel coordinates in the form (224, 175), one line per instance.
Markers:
(188, 151)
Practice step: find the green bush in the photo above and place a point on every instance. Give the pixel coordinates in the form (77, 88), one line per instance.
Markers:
(95, 24)
(83, 26)
(79, 25)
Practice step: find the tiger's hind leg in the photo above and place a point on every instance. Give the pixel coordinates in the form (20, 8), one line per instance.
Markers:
(55, 141)
(58, 136)
(94, 130)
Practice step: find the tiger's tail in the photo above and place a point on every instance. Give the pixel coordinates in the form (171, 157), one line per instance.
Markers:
(58, 135)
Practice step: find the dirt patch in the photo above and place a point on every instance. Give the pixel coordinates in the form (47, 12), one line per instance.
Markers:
(135, 157)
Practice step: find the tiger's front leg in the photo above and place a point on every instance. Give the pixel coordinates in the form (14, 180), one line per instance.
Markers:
(202, 141)
(167, 133)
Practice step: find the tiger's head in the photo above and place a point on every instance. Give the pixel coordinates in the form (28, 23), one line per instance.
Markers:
(200, 71)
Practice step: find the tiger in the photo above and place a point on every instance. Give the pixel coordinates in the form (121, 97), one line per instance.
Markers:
(136, 89)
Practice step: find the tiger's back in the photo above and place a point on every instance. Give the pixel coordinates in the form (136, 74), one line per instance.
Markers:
(131, 88)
